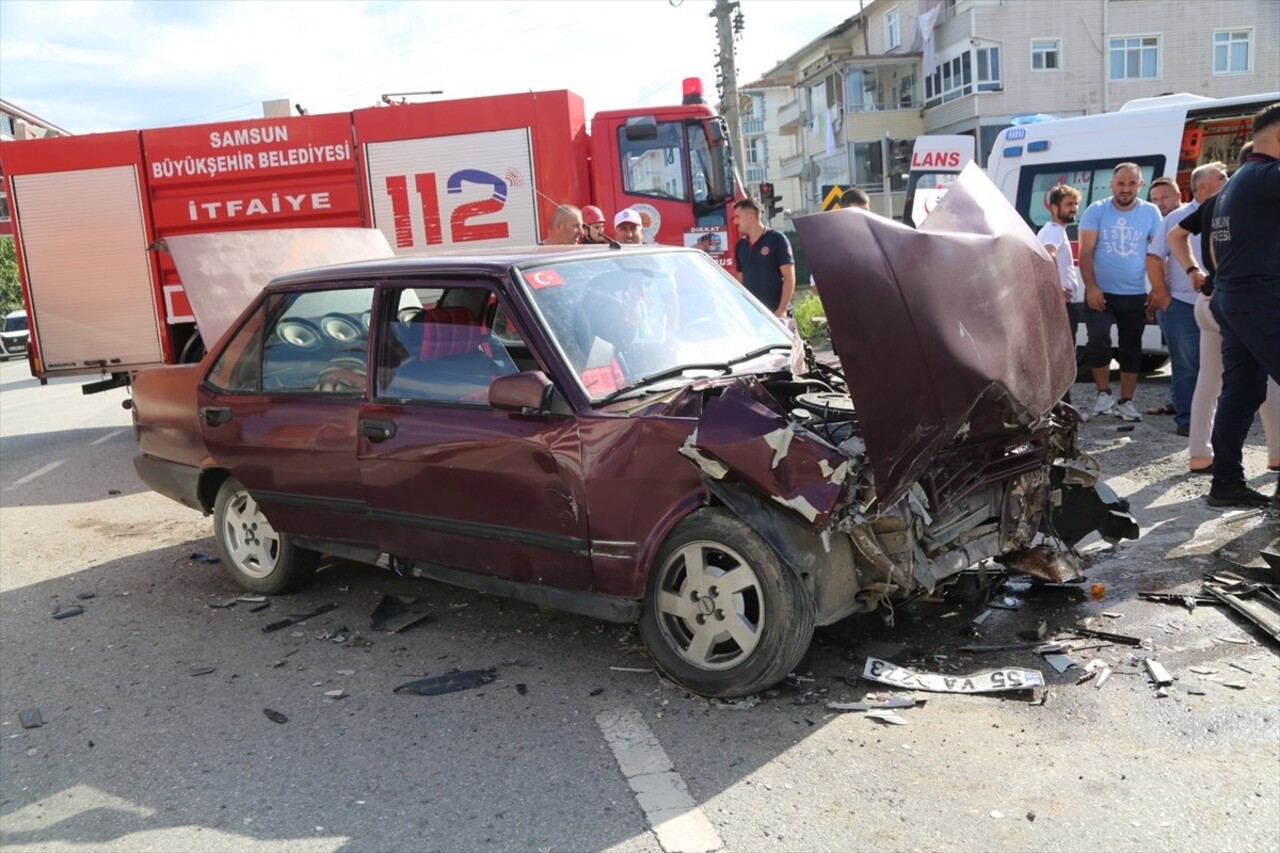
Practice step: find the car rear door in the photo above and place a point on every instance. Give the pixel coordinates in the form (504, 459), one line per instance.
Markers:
(451, 481)
(280, 406)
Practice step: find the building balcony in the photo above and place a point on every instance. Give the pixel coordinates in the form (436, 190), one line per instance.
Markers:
(752, 126)
(789, 115)
(790, 167)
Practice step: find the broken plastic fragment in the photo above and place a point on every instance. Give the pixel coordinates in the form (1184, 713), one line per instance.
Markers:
(396, 613)
(886, 717)
(449, 683)
(202, 557)
(68, 612)
(336, 694)
(293, 620)
(200, 669)
(275, 716)
(30, 718)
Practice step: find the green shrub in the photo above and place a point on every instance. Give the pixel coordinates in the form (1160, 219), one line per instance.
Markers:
(806, 310)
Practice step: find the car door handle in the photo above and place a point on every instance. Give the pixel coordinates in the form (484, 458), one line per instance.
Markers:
(215, 415)
(378, 430)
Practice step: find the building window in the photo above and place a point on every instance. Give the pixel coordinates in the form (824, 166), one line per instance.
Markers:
(1232, 51)
(988, 69)
(1045, 54)
(1135, 58)
(892, 29)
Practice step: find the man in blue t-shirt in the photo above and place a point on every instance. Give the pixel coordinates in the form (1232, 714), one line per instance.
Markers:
(1246, 303)
(763, 256)
(1114, 235)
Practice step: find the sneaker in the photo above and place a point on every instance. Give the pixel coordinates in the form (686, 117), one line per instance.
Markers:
(1235, 494)
(1105, 403)
(1127, 411)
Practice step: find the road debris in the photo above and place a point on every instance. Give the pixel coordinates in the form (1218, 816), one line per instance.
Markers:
(980, 618)
(596, 692)
(991, 681)
(1159, 675)
(868, 704)
(396, 613)
(222, 603)
(339, 693)
(294, 620)
(201, 669)
(746, 703)
(1239, 641)
(1060, 662)
(30, 718)
(202, 557)
(1257, 602)
(984, 648)
(68, 612)
(85, 596)
(1036, 633)
(1123, 639)
(275, 716)
(631, 668)
(1008, 602)
(449, 682)
(887, 717)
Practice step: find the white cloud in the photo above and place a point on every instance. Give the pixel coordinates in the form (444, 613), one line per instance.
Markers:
(95, 66)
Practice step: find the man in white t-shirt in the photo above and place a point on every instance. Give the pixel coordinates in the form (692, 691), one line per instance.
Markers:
(1064, 201)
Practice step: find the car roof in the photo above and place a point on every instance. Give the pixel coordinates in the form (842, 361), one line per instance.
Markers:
(490, 261)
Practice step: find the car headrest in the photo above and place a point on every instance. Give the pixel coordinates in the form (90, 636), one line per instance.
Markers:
(449, 331)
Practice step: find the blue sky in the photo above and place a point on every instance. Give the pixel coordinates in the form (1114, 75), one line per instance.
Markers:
(98, 66)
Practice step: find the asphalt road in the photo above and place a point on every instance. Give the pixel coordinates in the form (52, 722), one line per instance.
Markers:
(155, 736)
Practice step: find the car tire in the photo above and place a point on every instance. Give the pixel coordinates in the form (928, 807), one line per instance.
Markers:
(261, 560)
(717, 641)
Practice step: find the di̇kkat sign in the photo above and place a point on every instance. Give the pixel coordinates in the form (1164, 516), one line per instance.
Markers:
(713, 241)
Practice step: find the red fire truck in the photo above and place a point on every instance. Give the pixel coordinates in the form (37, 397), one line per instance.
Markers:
(91, 212)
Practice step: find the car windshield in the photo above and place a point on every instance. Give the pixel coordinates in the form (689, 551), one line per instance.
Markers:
(16, 324)
(633, 320)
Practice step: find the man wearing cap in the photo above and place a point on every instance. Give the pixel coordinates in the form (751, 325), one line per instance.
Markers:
(765, 265)
(628, 227)
(593, 225)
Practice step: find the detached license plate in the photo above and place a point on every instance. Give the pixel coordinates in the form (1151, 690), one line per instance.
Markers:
(992, 681)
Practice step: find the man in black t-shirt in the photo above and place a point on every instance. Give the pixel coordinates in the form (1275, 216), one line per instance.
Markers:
(1245, 243)
(763, 256)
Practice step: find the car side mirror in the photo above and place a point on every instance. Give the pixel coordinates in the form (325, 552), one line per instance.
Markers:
(527, 393)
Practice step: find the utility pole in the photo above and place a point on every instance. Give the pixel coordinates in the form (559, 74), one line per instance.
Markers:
(728, 15)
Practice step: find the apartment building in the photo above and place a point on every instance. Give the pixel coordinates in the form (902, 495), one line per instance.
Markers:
(17, 123)
(902, 68)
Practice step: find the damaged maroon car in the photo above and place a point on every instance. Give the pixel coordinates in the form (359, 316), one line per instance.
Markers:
(627, 434)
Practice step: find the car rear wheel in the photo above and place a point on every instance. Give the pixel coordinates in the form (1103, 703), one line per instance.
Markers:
(260, 559)
(723, 616)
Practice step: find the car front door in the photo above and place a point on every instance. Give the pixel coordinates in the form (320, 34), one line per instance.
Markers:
(451, 481)
(280, 406)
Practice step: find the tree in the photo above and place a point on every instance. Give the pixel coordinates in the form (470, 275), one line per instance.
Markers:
(10, 287)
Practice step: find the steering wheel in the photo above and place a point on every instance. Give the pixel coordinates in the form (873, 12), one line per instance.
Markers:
(299, 333)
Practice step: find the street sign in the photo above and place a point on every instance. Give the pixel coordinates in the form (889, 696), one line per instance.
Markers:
(831, 196)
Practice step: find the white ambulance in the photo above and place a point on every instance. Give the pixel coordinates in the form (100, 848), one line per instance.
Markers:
(1168, 135)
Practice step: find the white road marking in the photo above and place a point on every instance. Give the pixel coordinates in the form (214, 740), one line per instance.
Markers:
(662, 794)
(107, 437)
(37, 473)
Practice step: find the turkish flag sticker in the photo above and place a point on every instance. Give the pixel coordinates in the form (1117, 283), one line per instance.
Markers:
(544, 278)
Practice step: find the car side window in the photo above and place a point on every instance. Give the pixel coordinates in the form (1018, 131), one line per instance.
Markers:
(239, 367)
(451, 349)
(317, 341)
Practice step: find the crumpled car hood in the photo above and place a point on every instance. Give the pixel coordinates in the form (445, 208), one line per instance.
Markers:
(223, 271)
(956, 328)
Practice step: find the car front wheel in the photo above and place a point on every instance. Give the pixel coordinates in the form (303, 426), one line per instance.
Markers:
(723, 616)
(260, 559)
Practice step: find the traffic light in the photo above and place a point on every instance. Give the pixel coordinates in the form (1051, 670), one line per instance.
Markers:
(899, 156)
(771, 202)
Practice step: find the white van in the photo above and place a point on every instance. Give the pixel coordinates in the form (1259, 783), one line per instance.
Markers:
(15, 335)
(1168, 135)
